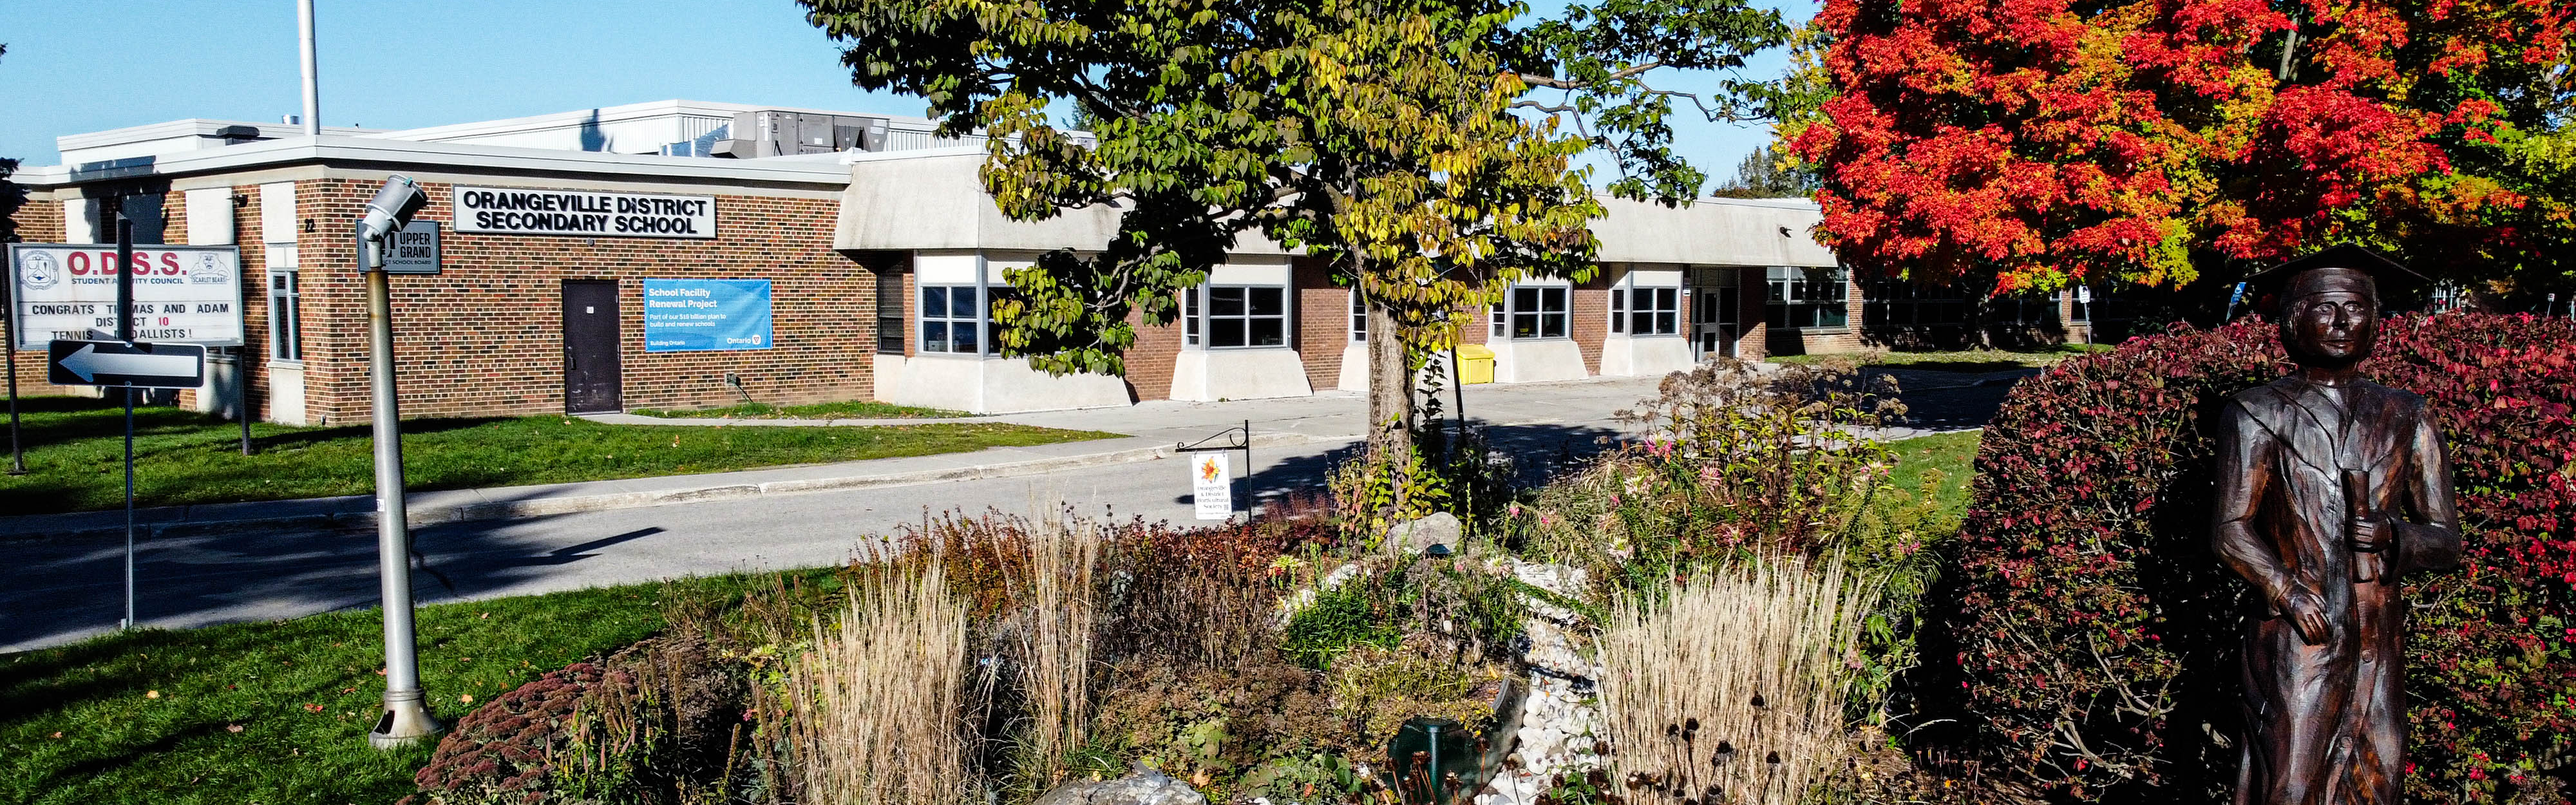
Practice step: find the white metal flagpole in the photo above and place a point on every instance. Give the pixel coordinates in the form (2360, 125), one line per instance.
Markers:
(312, 67)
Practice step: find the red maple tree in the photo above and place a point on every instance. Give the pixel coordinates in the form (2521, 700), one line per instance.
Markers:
(2054, 141)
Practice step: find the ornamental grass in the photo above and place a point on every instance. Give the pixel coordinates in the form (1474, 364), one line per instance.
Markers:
(1731, 686)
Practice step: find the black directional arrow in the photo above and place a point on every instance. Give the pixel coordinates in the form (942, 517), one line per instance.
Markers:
(117, 363)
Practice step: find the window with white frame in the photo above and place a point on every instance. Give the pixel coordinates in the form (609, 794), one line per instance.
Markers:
(1235, 316)
(1808, 298)
(1359, 316)
(952, 319)
(1646, 311)
(890, 313)
(285, 316)
(1531, 312)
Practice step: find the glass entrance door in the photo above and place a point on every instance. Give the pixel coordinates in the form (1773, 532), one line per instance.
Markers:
(1716, 313)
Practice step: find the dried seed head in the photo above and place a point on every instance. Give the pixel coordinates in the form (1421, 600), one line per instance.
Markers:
(1773, 758)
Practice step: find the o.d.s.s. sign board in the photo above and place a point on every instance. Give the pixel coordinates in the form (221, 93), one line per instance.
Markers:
(182, 294)
(532, 211)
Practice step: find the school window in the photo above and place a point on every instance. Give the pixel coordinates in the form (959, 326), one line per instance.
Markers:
(1232, 316)
(1898, 303)
(2023, 309)
(1808, 298)
(890, 313)
(1359, 316)
(1531, 313)
(952, 319)
(2078, 310)
(1646, 311)
(285, 309)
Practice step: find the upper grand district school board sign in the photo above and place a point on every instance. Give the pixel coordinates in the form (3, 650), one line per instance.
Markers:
(706, 315)
(182, 294)
(525, 211)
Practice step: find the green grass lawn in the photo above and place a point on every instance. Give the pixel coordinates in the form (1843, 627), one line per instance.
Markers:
(1980, 360)
(278, 712)
(1951, 456)
(75, 453)
(854, 409)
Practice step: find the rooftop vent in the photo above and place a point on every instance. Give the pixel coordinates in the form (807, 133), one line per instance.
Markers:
(774, 132)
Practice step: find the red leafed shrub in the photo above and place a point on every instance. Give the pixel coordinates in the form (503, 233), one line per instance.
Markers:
(499, 750)
(2095, 634)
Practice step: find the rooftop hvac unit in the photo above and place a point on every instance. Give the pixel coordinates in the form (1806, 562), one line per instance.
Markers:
(773, 132)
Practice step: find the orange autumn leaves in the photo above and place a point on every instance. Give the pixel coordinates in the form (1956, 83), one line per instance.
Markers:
(2055, 142)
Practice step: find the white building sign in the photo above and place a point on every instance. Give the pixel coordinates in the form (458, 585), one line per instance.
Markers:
(182, 294)
(526, 211)
(1212, 484)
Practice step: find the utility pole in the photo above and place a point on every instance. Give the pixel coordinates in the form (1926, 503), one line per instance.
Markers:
(406, 719)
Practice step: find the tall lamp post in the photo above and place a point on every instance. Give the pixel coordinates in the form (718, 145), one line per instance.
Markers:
(406, 719)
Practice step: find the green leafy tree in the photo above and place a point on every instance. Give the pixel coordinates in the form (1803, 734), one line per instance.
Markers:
(1421, 149)
(1766, 174)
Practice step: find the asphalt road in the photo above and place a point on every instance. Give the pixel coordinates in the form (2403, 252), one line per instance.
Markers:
(56, 591)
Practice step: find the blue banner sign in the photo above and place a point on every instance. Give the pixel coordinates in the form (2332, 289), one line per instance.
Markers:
(703, 315)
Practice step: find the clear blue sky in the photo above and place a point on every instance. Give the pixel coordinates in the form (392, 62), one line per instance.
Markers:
(88, 66)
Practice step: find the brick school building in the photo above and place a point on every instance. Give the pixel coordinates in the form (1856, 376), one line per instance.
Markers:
(685, 254)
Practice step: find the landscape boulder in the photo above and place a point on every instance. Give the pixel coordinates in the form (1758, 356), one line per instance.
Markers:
(1141, 787)
(1419, 536)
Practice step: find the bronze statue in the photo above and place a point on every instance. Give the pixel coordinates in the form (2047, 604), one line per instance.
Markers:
(2330, 489)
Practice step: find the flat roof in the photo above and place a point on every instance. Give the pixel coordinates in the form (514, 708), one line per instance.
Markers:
(934, 199)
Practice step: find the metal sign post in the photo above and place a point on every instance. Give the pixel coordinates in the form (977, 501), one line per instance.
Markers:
(406, 719)
(125, 332)
(9, 363)
(1235, 439)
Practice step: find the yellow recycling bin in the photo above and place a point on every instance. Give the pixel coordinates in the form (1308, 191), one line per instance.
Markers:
(1475, 364)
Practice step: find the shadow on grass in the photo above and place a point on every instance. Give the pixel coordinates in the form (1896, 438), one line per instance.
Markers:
(410, 428)
(1973, 367)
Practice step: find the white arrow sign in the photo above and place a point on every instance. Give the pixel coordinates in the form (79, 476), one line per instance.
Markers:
(118, 363)
(89, 363)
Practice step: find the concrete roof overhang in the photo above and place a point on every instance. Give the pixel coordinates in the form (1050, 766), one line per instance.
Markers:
(935, 200)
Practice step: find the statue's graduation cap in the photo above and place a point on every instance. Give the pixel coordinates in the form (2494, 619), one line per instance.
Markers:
(2393, 280)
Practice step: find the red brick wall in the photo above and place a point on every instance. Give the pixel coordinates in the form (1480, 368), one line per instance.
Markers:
(1149, 362)
(1751, 345)
(1591, 323)
(486, 337)
(40, 220)
(1323, 324)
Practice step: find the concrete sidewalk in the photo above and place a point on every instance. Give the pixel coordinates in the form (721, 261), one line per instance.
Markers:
(1153, 428)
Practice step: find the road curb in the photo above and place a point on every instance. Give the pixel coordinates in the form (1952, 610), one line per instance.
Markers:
(172, 521)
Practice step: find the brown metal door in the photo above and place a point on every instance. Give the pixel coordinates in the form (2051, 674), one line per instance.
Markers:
(592, 374)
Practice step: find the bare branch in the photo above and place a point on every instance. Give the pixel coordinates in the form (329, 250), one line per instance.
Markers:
(1536, 80)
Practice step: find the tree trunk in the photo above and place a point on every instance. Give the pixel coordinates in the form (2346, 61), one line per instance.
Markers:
(1390, 390)
(1978, 312)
